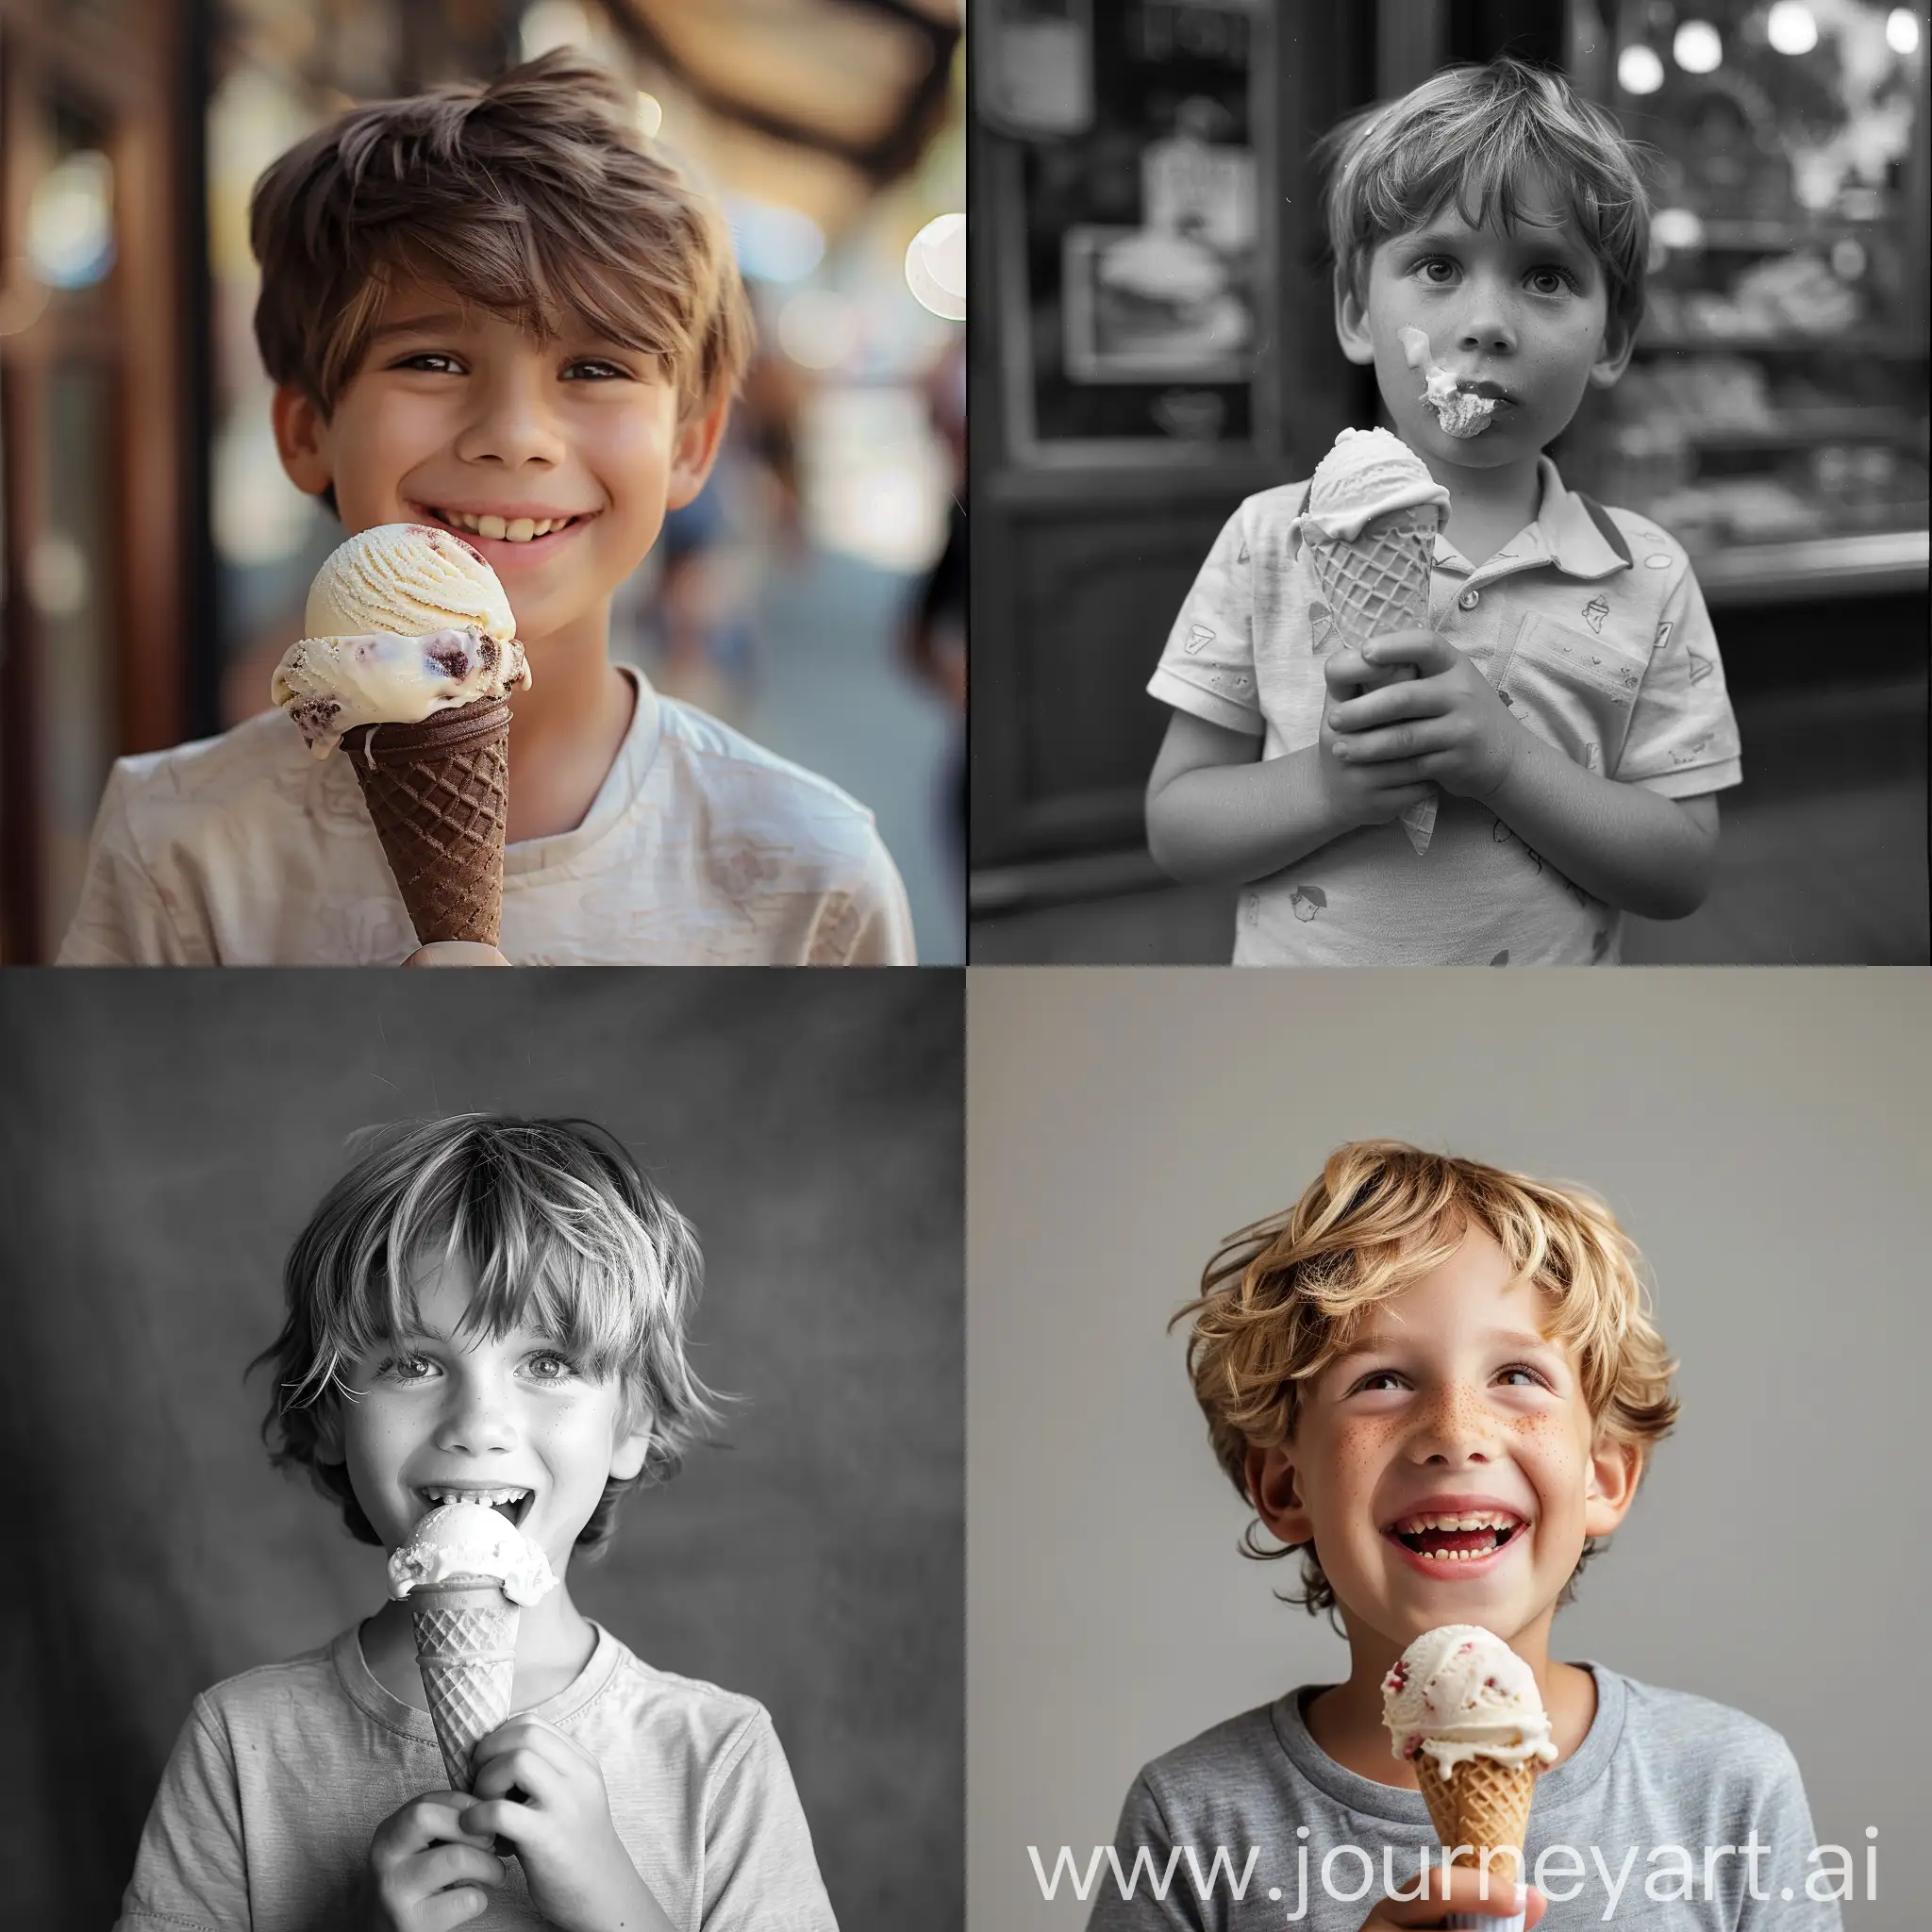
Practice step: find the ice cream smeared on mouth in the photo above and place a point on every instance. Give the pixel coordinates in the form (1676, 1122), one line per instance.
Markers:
(1462, 406)
(469, 1538)
(1460, 1692)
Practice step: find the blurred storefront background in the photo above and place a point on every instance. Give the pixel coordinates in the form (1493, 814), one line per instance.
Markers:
(155, 558)
(1163, 347)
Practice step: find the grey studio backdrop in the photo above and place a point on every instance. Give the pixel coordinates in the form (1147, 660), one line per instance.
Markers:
(1763, 1134)
(162, 1138)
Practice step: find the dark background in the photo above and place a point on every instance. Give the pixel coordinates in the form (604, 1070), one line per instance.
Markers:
(162, 1140)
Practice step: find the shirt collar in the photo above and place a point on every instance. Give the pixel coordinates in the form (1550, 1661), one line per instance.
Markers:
(1580, 537)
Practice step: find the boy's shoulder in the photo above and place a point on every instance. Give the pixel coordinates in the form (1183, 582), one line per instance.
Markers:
(1683, 1727)
(261, 759)
(825, 830)
(1212, 1761)
(267, 1696)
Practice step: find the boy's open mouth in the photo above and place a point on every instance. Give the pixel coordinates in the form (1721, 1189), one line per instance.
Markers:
(1459, 1539)
(507, 535)
(512, 1503)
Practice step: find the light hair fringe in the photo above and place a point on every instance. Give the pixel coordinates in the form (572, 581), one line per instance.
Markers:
(1283, 1298)
(557, 1226)
(534, 196)
(1479, 136)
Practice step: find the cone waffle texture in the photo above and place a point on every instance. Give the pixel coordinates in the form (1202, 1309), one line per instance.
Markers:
(439, 795)
(1482, 1804)
(466, 1649)
(1379, 583)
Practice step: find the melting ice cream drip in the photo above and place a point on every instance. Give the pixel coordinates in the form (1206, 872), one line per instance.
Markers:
(1460, 411)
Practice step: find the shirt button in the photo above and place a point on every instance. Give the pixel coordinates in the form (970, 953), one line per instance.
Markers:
(1470, 599)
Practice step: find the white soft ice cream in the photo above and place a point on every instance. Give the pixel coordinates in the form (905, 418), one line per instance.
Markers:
(1459, 1693)
(1460, 411)
(404, 621)
(461, 1539)
(1365, 475)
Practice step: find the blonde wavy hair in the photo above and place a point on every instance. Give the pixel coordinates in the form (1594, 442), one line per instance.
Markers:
(1283, 1298)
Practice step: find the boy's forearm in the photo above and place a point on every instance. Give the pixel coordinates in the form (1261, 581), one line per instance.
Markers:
(1226, 824)
(1630, 848)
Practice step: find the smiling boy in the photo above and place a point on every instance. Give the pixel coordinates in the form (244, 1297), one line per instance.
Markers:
(498, 311)
(496, 1309)
(1440, 1384)
(1568, 701)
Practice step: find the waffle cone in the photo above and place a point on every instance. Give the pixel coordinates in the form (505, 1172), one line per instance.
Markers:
(1378, 583)
(1482, 1804)
(466, 1649)
(438, 794)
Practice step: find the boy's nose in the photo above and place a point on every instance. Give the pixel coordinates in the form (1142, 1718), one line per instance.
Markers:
(1486, 326)
(478, 1419)
(513, 425)
(1455, 1427)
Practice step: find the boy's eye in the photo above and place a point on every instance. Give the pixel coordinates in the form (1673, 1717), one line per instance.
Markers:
(1523, 1369)
(1429, 264)
(1561, 278)
(404, 1368)
(552, 1367)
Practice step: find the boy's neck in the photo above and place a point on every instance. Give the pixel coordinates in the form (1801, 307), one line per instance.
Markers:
(1487, 508)
(567, 728)
(555, 1640)
(1346, 1719)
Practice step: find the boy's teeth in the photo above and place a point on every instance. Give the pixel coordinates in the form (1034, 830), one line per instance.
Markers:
(1478, 1519)
(519, 530)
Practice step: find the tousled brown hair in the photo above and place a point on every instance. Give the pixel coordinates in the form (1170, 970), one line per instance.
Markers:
(1283, 1298)
(534, 196)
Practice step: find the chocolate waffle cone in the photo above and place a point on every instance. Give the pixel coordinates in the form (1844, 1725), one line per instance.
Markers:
(1379, 583)
(439, 795)
(466, 1649)
(1482, 1804)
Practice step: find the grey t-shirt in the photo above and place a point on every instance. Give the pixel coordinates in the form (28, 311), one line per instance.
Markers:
(1658, 1770)
(282, 1774)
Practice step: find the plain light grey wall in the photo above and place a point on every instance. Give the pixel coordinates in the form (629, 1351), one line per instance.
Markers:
(1763, 1135)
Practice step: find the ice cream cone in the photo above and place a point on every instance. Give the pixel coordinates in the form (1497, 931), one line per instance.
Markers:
(439, 795)
(1482, 1804)
(466, 1649)
(1379, 583)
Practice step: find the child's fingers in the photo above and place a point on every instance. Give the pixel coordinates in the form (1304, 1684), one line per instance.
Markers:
(1412, 698)
(429, 1820)
(436, 1870)
(1413, 739)
(1460, 1889)
(449, 1908)
(1427, 650)
(1342, 671)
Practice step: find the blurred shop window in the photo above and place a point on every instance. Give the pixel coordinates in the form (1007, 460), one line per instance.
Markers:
(1778, 393)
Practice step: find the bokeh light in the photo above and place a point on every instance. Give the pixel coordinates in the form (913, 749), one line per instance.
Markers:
(1902, 30)
(774, 243)
(936, 267)
(1639, 71)
(1790, 28)
(819, 329)
(1697, 48)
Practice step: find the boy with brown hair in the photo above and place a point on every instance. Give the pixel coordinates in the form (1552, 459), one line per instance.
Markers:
(497, 311)
(1441, 1383)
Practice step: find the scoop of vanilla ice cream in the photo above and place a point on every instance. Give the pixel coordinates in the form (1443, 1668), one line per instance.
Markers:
(1366, 475)
(470, 1539)
(333, 685)
(1459, 1692)
(410, 579)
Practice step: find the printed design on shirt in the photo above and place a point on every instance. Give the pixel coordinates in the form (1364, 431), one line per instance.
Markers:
(1595, 612)
(1593, 758)
(1700, 668)
(739, 870)
(1307, 901)
(1241, 554)
(1234, 681)
(1657, 562)
(1693, 753)
(1577, 894)
(1199, 636)
(1599, 947)
(1502, 958)
(1251, 908)
(1664, 637)
(1322, 637)
(1500, 834)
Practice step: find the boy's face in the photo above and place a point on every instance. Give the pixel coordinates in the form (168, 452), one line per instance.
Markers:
(436, 1411)
(454, 411)
(1454, 1405)
(1527, 307)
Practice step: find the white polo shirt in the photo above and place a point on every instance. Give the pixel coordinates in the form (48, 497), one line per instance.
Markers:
(1591, 627)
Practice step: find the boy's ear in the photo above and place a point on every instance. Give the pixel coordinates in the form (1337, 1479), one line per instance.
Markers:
(1620, 340)
(1614, 1468)
(301, 430)
(696, 450)
(628, 1451)
(1274, 1490)
(1352, 323)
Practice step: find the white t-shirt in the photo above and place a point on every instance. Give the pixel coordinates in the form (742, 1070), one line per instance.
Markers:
(280, 1778)
(700, 849)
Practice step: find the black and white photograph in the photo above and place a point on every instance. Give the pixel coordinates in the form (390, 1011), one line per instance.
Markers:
(1451, 484)
(489, 1450)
